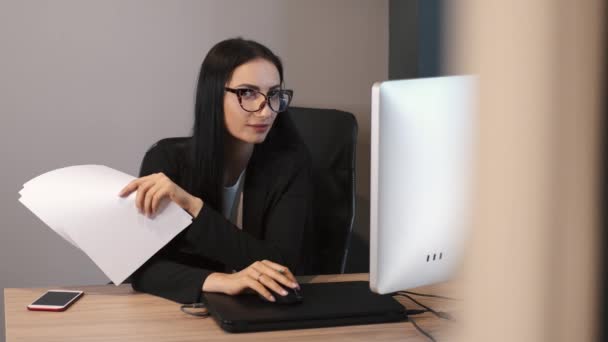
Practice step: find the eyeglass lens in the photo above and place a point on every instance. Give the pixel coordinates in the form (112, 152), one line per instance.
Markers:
(278, 100)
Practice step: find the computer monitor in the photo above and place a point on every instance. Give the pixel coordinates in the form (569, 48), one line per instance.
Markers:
(421, 169)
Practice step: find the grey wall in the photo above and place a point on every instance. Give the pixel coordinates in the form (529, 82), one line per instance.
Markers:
(415, 38)
(99, 81)
(403, 39)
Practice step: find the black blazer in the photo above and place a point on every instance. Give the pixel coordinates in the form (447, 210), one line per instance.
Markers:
(277, 222)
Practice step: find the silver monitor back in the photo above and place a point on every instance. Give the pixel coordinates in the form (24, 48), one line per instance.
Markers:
(421, 170)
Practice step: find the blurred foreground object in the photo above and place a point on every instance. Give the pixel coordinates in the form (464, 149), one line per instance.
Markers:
(532, 267)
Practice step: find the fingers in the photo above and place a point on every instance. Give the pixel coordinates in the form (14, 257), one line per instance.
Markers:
(157, 197)
(150, 191)
(152, 197)
(281, 270)
(132, 186)
(274, 274)
(259, 288)
(141, 195)
(271, 284)
(266, 280)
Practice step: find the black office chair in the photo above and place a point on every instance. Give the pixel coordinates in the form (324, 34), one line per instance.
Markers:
(331, 137)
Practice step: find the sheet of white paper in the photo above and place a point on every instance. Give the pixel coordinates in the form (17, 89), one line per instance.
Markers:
(39, 193)
(45, 214)
(82, 204)
(38, 203)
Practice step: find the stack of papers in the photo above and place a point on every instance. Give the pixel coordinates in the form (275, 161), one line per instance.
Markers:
(81, 204)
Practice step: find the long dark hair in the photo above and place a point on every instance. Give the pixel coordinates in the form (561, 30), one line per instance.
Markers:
(209, 128)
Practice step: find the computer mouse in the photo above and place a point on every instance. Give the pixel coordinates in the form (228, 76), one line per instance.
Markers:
(294, 296)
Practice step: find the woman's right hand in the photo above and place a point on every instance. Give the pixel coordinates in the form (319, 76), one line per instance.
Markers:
(152, 189)
(259, 277)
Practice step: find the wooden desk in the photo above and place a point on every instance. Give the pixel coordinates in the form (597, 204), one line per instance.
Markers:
(110, 313)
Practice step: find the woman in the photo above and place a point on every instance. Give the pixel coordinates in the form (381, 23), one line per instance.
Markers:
(244, 177)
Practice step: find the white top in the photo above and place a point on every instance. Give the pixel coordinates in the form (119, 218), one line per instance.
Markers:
(233, 201)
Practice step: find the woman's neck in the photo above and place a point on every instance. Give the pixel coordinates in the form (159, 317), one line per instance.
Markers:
(236, 157)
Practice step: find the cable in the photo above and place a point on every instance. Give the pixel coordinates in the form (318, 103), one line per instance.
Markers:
(417, 312)
(428, 295)
(421, 330)
(439, 314)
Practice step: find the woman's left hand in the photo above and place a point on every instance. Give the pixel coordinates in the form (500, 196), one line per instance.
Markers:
(261, 277)
(153, 188)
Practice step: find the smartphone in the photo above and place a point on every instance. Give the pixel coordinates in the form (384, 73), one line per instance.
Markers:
(55, 300)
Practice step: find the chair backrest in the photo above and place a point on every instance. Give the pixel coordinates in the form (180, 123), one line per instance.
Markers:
(331, 137)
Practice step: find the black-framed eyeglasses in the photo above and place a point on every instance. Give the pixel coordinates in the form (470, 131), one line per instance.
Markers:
(277, 99)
